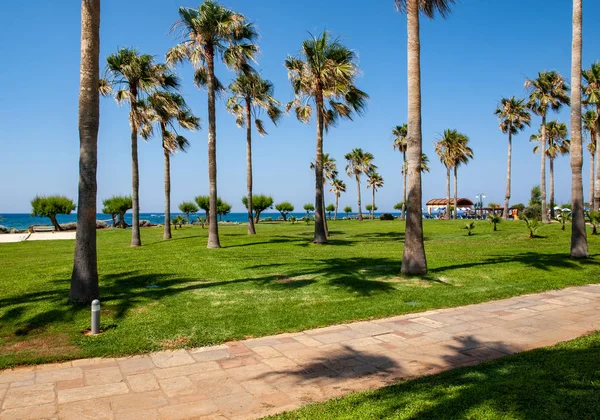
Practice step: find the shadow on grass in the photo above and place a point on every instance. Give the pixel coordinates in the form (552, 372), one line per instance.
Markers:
(560, 382)
(535, 260)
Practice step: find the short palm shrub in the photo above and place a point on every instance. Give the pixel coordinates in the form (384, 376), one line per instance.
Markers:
(293, 219)
(494, 219)
(563, 216)
(469, 226)
(386, 216)
(202, 221)
(178, 220)
(594, 218)
(532, 225)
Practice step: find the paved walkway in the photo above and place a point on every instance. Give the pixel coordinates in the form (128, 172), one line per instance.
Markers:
(258, 377)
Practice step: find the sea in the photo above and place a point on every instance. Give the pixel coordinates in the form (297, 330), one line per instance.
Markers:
(22, 221)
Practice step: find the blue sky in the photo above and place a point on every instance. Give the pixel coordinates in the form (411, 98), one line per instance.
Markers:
(482, 52)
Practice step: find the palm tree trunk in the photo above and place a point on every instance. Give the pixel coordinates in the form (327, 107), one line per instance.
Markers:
(213, 226)
(596, 203)
(360, 218)
(507, 194)
(320, 236)
(447, 215)
(336, 206)
(413, 257)
(135, 175)
(251, 228)
(579, 247)
(404, 178)
(373, 204)
(455, 192)
(552, 188)
(167, 221)
(592, 174)
(543, 172)
(84, 278)
(324, 213)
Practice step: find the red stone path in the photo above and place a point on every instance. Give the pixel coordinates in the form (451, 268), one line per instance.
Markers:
(258, 377)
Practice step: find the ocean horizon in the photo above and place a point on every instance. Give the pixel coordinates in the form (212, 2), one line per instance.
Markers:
(22, 221)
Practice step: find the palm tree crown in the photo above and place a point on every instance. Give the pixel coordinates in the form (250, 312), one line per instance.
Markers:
(168, 110)
(249, 91)
(513, 115)
(133, 75)
(591, 88)
(399, 134)
(213, 30)
(557, 142)
(548, 91)
(589, 124)
(325, 70)
(337, 186)
(374, 180)
(359, 162)
(428, 7)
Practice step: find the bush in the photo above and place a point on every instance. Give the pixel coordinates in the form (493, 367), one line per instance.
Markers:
(293, 219)
(386, 216)
(533, 212)
(532, 225)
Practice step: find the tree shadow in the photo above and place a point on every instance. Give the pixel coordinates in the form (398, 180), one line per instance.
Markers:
(548, 383)
(538, 261)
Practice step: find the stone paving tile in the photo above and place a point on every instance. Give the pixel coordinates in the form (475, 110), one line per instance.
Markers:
(264, 376)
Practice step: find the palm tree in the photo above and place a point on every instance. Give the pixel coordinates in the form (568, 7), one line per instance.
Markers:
(324, 71)
(209, 31)
(399, 134)
(413, 257)
(513, 116)
(135, 76)
(579, 247)
(250, 94)
(557, 144)
(358, 163)
(548, 91)
(330, 173)
(444, 148)
(337, 188)
(589, 125)
(591, 90)
(84, 278)
(461, 155)
(424, 163)
(374, 181)
(167, 109)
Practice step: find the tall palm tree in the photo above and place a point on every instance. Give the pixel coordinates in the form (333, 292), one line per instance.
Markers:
(444, 148)
(399, 134)
(461, 155)
(84, 278)
(591, 90)
(579, 247)
(513, 116)
(374, 181)
(250, 94)
(414, 260)
(358, 163)
(324, 74)
(330, 173)
(337, 188)
(589, 124)
(556, 144)
(167, 109)
(548, 92)
(134, 76)
(209, 31)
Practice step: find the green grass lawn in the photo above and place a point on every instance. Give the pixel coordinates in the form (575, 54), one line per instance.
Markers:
(560, 382)
(178, 293)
